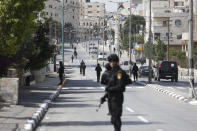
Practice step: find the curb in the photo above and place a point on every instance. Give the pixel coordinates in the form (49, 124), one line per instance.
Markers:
(169, 93)
(34, 121)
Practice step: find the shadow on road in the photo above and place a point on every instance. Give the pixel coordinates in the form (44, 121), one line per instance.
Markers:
(94, 123)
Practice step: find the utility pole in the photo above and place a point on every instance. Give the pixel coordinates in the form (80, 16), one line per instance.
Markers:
(150, 44)
(103, 39)
(55, 53)
(63, 31)
(168, 39)
(130, 72)
(191, 52)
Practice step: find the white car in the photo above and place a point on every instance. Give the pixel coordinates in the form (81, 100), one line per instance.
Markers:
(102, 55)
(125, 66)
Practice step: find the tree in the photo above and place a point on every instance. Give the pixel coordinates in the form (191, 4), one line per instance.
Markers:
(159, 51)
(136, 24)
(17, 22)
(179, 57)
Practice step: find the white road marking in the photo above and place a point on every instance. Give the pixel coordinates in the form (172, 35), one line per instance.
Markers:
(140, 87)
(193, 102)
(65, 88)
(142, 119)
(102, 88)
(159, 130)
(129, 109)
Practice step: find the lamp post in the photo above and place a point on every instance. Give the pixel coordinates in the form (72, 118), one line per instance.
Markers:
(191, 52)
(130, 41)
(150, 45)
(63, 31)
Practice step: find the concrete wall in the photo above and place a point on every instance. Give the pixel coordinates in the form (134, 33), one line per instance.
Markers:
(9, 90)
(39, 75)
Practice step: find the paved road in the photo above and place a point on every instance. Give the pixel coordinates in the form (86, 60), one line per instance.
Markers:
(144, 109)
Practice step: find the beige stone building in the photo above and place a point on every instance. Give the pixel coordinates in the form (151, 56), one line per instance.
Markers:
(53, 9)
(166, 12)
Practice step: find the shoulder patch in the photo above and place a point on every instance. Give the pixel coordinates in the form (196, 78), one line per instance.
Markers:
(119, 76)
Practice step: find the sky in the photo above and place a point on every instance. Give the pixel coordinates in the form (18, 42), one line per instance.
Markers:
(110, 7)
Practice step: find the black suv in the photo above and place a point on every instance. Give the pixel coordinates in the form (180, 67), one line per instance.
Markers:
(166, 70)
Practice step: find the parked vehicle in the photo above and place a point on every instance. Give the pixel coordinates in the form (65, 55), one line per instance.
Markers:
(125, 66)
(166, 70)
(144, 71)
(102, 55)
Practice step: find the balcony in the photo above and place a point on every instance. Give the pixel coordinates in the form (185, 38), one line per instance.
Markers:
(161, 12)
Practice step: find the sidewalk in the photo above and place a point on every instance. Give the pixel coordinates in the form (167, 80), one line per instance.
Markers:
(30, 98)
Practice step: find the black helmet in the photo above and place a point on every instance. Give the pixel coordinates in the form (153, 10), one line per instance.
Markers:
(113, 57)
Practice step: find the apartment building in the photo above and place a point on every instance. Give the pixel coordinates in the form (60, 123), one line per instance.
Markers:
(167, 18)
(53, 9)
(185, 34)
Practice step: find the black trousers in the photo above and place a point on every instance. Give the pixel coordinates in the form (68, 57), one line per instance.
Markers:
(98, 76)
(116, 110)
(135, 75)
(61, 77)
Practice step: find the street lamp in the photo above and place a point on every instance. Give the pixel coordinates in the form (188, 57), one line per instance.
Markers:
(150, 45)
(63, 31)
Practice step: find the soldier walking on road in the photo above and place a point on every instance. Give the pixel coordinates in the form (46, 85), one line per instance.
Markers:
(98, 70)
(82, 67)
(115, 81)
(75, 54)
(135, 72)
(61, 72)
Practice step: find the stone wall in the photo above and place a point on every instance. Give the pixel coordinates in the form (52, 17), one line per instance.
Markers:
(9, 90)
(39, 75)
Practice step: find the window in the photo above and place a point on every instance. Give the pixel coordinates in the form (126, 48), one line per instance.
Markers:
(50, 6)
(164, 23)
(89, 6)
(175, 3)
(97, 11)
(51, 14)
(157, 36)
(178, 23)
(89, 12)
(73, 17)
(98, 6)
(46, 13)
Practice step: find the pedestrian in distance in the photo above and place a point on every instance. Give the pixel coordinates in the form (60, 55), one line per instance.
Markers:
(115, 80)
(72, 57)
(61, 72)
(98, 70)
(114, 50)
(81, 65)
(75, 54)
(72, 46)
(120, 54)
(83, 68)
(135, 72)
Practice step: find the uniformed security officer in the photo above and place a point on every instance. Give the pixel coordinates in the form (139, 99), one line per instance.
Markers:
(98, 70)
(115, 80)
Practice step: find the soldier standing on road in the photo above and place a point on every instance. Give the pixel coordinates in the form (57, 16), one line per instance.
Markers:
(135, 72)
(98, 70)
(115, 82)
(61, 72)
(81, 65)
(72, 57)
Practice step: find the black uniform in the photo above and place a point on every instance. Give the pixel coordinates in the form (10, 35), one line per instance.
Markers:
(135, 72)
(115, 80)
(61, 73)
(98, 70)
